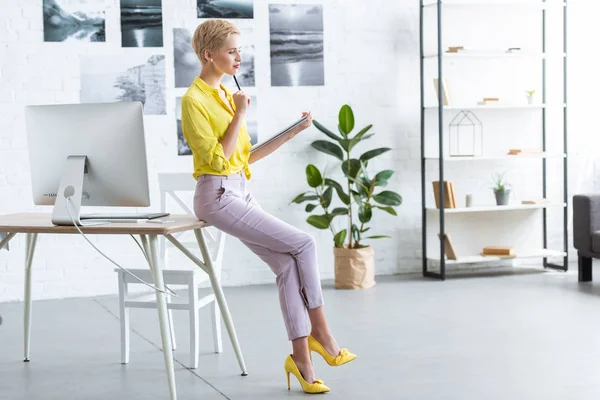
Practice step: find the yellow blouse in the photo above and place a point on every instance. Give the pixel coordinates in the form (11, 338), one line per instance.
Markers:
(204, 120)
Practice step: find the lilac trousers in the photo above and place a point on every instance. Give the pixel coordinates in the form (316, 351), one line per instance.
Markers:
(225, 203)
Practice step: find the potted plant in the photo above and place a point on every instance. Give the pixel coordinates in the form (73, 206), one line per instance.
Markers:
(530, 94)
(360, 194)
(501, 190)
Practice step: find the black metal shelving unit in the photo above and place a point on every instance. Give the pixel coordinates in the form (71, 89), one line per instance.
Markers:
(439, 5)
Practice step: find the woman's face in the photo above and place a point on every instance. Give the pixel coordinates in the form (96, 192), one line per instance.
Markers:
(228, 59)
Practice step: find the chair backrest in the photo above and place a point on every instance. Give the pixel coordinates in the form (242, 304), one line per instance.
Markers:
(172, 186)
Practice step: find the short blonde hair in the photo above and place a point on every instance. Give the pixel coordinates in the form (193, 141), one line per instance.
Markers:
(210, 35)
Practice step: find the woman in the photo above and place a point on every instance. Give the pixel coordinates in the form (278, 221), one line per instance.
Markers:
(213, 123)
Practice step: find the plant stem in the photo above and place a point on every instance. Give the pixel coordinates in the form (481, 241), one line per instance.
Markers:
(350, 203)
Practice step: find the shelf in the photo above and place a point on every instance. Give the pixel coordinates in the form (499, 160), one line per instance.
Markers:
(498, 157)
(490, 107)
(491, 54)
(509, 3)
(495, 208)
(483, 259)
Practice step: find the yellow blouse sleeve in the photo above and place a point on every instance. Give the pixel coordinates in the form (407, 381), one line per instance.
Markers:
(200, 136)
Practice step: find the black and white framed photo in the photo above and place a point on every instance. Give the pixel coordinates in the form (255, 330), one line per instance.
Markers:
(125, 78)
(141, 23)
(183, 149)
(188, 66)
(252, 120)
(225, 9)
(296, 45)
(74, 21)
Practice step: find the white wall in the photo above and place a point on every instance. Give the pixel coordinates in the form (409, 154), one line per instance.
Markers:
(371, 63)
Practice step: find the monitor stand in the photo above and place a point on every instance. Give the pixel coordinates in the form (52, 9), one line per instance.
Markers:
(71, 186)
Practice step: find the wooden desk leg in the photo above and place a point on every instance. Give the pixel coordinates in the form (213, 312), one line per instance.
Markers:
(216, 286)
(29, 251)
(161, 304)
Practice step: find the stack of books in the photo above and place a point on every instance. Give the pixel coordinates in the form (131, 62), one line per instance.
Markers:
(449, 196)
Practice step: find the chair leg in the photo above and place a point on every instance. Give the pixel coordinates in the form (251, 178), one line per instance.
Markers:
(585, 269)
(216, 317)
(124, 318)
(194, 322)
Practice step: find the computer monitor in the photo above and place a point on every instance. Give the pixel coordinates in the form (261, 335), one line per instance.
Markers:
(94, 154)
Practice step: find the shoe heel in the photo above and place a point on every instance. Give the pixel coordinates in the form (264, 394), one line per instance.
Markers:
(288, 380)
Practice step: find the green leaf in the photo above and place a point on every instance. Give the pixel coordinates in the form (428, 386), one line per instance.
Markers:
(367, 136)
(346, 119)
(339, 238)
(351, 168)
(389, 210)
(363, 186)
(346, 144)
(303, 197)
(388, 198)
(339, 211)
(313, 176)
(327, 195)
(326, 131)
(338, 188)
(328, 148)
(374, 153)
(297, 198)
(318, 221)
(356, 197)
(310, 207)
(364, 230)
(382, 177)
(365, 213)
(360, 134)
(377, 237)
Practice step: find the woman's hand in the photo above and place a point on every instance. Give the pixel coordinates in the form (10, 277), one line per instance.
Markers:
(305, 124)
(242, 101)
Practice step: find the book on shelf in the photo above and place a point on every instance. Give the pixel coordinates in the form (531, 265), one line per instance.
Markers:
(454, 49)
(498, 251)
(448, 247)
(489, 100)
(446, 100)
(527, 152)
(535, 201)
(449, 195)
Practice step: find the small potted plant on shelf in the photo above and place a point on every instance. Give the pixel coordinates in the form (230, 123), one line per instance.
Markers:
(530, 94)
(359, 193)
(501, 190)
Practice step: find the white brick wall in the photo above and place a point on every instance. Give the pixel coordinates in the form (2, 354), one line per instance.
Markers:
(371, 59)
(34, 72)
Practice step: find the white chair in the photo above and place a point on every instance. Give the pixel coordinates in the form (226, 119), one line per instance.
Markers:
(171, 184)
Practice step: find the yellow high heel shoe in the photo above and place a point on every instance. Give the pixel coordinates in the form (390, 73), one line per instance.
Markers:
(335, 361)
(290, 367)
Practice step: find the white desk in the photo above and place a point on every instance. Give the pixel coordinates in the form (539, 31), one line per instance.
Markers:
(33, 224)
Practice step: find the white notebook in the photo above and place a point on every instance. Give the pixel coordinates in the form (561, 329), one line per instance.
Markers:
(283, 132)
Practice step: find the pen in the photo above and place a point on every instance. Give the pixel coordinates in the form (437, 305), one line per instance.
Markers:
(236, 82)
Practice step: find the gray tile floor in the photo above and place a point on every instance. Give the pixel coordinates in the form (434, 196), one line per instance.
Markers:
(519, 334)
